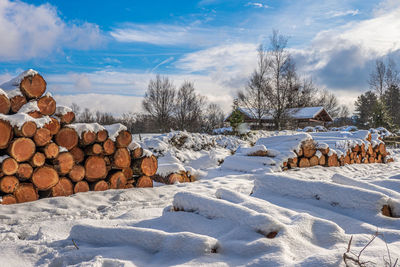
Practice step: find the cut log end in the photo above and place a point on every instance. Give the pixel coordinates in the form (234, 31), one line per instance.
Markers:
(8, 200)
(8, 184)
(109, 147)
(77, 173)
(26, 192)
(95, 168)
(45, 178)
(53, 126)
(124, 138)
(81, 186)
(42, 137)
(145, 166)
(122, 158)
(99, 186)
(117, 180)
(51, 151)
(33, 86)
(63, 163)
(22, 149)
(88, 138)
(17, 102)
(24, 171)
(47, 105)
(5, 104)
(28, 129)
(101, 136)
(67, 137)
(38, 159)
(63, 188)
(144, 181)
(9, 166)
(77, 154)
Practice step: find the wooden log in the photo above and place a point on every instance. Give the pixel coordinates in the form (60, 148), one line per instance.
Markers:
(35, 114)
(347, 160)
(17, 102)
(8, 184)
(304, 163)
(382, 149)
(67, 137)
(77, 154)
(81, 186)
(365, 160)
(121, 158)
(293, 162)
(8, 200)
(63, 163)
(28, 129)
(299, 153)
(87, 138)
(38, 159)
(45, 178)
(174, 178)
(47, 105)
(128, 172)
(146, 166)
(42, 137)
(123, 139)
(33, 86)
(322, 160)
(66, 118)
(129, 186)
(101, 136)
(26, 192)
(137, 153)
(324, 151)
(363, 150)
(51, 150)
(117, 180)
(99, 186)
(185, 175)
(5, 104)
(6, 134)
(333, 161)
(359, 159)
(356, 148)
(109, 147)
(387, 211)
(314, 161)
(9, 166)
(371, 159)
(144, 181)
(54, 126)
(63, 188)
(95, 149)
(24, 171)
(95, 168)
(309, 148)
(22, 149)
(370, 150)
(77, 173)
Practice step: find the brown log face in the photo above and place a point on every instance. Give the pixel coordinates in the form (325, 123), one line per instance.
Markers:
(117, 180)
(6, 134)
(5, 104)
(128, 172)
(28, 129)
(38, 159)
(314, 161)
(35, 114)
(67, 118)
(144, 181)
(95, 168)
(77, 173)
(8, 200)
(174, 178)
(22, 149)
(53, 126)
(333, 161)
(47, 105)
(33, 86)
(137, 153)
(26, 192)
(309, 148)
(63, 188)
(88, 138)
(77, 154)
(51, 151)
(9, 166)
(24, 171)
(67, 137)
(95, 149)
(99, 186)
(45, 178)
(17, 102)
(149, 166)
(109, 147)
(101, 136)
(122, 159)
(81, 186)
(42, 137)
(63, 163)
(124, 138)
(322, 160)
(304, 163)
(347, 160)
(8, 184)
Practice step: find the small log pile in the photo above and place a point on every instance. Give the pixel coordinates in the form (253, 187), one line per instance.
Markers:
(175, 177)
(310, 155)
(43, 154)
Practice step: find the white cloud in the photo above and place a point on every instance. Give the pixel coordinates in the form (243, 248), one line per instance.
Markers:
(335, 14)
(30, 31)
(257, 5)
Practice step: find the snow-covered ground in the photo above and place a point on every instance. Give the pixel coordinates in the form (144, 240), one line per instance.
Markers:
(224, 219)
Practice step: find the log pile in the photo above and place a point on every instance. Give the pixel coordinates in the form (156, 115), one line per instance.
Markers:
(43, 154)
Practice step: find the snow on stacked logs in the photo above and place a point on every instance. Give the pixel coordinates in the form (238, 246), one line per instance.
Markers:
(42, 154)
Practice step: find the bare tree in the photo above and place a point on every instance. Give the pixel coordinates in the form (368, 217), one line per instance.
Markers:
(214, 117)
(392, 74)
(188, 108)
(377, 78)
(329, 101)
(159, 101)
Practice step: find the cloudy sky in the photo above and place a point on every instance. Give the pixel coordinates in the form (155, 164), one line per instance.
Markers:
(102, 55)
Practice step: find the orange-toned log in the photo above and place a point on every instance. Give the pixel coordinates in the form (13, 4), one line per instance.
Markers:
(45, 178)
(347, 160)
(42, 137)
(314, 161)
(81, 186)
(26, 192)
(174, 178)
(66, 118)
(128, 172)
(123, 139)
(324, 151)
(145, 166)
(293, 162)
(359, 159)
(77, 173)
(28, 129)
(67, 137)
(47, 105)
(309, 148)
(370, 150)
(8, 184)
(5, 104)
(121, 158)
(304, 162)
(144, 181)
(109, 147)
(53, 126)
(87, 138)
(101, 136)
(382, 149)
(63, 188)
(129, 186)
(365, 160)
(33, 86)
(95, 168)
(38, 159)
(35, 114)
(24, 171)
(63, 163)
(77, 154)
(333, 161)
(299, 153)
(22, 149)
(17, 102)
(322, 160)
(137, 153)
(99, 186)
(8, 200)
(6, 134)
(117, 180)
(95, 149)
(371, 159)
(9, 166)
(51, 150)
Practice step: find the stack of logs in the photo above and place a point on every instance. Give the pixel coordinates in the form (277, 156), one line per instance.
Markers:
(176, 177)
(308, 156)
(52, 159)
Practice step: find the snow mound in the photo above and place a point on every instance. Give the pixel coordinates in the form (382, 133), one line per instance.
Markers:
(20, 118)
(114, 129)
(80, 128)
(62, 110)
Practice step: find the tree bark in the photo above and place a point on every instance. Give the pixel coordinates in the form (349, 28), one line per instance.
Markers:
(17, 102)
(6, 134)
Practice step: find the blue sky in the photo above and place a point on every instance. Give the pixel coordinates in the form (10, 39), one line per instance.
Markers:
(102, 54)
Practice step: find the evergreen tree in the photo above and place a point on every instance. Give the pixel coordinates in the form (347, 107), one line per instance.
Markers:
(364, 107)
(392, 100)
(236, 117)
(380, 115)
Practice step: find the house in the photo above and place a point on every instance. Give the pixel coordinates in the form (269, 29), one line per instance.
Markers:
(297, 118)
